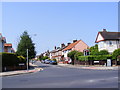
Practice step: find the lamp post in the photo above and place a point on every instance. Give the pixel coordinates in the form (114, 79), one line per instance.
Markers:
(27, 59)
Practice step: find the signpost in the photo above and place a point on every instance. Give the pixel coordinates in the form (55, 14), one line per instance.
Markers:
(109, 63)
(86, 53)
(27, 59)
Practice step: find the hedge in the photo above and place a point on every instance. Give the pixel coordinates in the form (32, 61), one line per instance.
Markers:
(11, 59)
(94, 57)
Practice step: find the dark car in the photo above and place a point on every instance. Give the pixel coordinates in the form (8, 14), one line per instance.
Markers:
(53, 62)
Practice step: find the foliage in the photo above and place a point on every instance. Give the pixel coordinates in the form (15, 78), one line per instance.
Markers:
(54, 59)
(24, 44)
(10, 59)
(74, 54)
(45, 57)
(94, 57)
(116, 53)
(21, 59)
(77, 54)
(94, 50)
(103, 52)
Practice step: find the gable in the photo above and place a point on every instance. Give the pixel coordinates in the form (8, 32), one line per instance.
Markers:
(99, 38)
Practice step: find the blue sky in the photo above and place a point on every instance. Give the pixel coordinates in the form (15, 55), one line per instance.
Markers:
(57, 22)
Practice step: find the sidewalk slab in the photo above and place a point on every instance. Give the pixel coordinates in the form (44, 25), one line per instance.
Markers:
(90, 67)
(10, 73)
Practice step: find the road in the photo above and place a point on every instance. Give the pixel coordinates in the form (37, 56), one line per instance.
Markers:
(54, 76)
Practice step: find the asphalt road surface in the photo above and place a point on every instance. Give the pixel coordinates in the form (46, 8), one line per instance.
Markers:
(54, 76)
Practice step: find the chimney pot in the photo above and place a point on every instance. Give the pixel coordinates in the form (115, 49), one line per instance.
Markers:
(104, 30)
(74, 41)
(68, 43)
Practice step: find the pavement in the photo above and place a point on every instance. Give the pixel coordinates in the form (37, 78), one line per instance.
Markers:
(90, 67)
(33, 70)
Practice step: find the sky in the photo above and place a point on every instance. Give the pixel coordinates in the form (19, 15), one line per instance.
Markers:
(55, 23)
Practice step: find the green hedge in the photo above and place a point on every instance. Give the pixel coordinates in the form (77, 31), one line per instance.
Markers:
(11, 59)
(94, 57)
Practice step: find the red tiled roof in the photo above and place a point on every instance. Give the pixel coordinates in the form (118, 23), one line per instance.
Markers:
(71, 45)
(8, 44)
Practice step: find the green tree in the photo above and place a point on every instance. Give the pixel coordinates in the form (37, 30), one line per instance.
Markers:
(71, 55)
(24, 44)
(103, 52)
(116, 53)
(77, 54)
(45, 57)
(94, 50)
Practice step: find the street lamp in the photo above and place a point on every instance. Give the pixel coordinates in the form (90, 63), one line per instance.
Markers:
(27, 57)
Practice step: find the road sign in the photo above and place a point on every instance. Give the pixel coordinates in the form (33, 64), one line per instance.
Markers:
(109, 62)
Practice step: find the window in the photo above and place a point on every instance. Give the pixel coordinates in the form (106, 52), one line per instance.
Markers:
(110, 43)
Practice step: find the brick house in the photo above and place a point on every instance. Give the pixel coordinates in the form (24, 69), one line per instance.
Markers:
(77, 45)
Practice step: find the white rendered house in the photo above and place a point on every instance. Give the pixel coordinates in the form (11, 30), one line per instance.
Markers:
(108, 40)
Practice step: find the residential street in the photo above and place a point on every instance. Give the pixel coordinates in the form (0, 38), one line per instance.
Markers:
(54, 76)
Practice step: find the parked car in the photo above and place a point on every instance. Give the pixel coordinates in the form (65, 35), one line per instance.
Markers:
(53, 62)
(47, 61)
(42, 61)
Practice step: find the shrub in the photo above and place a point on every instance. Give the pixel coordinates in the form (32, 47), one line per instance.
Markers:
(45, 57)
(77, 54)
(94, 57)
(11, 59)
(103, 52)
(116, 53)
(21, 59)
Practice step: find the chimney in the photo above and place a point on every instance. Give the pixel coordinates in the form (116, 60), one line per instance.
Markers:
(55, 48)
(74, 41)
(104, 30)
(68, 43)
(62, 45)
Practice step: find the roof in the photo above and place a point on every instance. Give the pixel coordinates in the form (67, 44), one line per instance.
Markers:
(109, 35)
(71, 45)
(8, 45)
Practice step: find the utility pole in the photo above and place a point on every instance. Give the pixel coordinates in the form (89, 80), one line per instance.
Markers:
(27, 59)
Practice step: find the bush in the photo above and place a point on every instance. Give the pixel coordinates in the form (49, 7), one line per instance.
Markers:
(94, 57)
(11, 59)
(77, 54)
(45, 57)
(21, 59)
(103, 52)
(54, 59)
(116, 53)
(72, 55)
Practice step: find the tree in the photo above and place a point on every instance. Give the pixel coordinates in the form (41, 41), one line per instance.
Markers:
(94, 50)
(77, 54)
(116, 53)
(45, 57)
(24, 44)
(71, 55)
(103, 52)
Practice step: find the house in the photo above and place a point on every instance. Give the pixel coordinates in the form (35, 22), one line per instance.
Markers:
(108, 40)
(57, 53)
(5, 47)
(8, 48)
(2, 41)
(77, 45)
